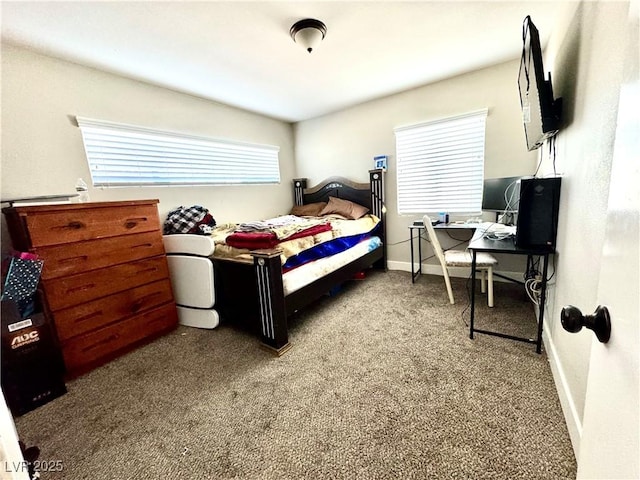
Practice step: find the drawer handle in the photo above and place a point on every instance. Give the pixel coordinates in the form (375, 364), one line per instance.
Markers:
(146, 270)
(72, 259)
(143, 245)
(88, 286)
(74, 225)
(150, 296)
(109, 339)
(132, 222)
(137, 305)
(88, 316)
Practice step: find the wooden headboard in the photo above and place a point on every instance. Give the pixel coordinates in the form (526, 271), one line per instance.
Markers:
(370, 195)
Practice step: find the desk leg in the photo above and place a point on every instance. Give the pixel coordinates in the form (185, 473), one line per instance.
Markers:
(473, 291)
(413, 278)
(543, 297)
(415, 272)
(419, 253)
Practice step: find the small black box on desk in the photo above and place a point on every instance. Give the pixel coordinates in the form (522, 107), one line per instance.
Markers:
(32, 364)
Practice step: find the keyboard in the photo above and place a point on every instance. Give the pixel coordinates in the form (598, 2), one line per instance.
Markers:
(418, 223)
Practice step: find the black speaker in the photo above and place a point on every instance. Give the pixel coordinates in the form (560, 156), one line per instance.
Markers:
(32, 371)
(538, 212)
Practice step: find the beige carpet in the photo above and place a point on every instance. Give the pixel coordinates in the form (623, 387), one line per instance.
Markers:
(382, 382)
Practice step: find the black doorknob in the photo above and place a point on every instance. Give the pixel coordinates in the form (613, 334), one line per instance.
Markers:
(573, 320)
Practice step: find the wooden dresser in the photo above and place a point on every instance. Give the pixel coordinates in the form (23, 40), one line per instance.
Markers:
(105, 276)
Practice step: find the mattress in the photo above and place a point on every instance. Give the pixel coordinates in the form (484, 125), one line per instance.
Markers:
(309, 272)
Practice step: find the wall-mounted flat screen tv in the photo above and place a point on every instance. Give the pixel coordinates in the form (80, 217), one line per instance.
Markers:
(541, 114)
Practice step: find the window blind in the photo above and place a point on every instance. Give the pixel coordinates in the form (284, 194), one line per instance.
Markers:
(128, 155)
(440, 165)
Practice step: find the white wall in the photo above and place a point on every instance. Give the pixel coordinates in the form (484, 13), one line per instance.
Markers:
(586, 59)
(43, 153)
(345, 143)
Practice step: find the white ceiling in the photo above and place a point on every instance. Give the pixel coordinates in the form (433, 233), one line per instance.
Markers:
(240, 53)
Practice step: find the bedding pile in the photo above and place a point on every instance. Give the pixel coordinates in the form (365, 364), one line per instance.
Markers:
(300, 239)
(269, 233)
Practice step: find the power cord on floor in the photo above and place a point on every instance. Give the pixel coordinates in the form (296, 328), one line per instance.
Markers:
(533, 287)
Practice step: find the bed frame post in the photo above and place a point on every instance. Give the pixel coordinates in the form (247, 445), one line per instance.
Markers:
(376, 181)
(273, 314)
(299, 184)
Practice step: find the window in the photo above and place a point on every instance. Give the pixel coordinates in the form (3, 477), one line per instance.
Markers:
(441, 165)
(126, 155)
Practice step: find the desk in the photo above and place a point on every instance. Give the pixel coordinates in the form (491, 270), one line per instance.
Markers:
(508, 246)
(418, 228)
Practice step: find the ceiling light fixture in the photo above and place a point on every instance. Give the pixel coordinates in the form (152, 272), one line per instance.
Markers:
(308, 33)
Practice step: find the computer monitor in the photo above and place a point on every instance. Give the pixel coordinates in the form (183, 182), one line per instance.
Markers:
(501, 195)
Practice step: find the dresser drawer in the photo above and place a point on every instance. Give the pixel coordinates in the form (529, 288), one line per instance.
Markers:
(69, 291)
(80, 319)
(63, 260)
(74, 225)
(105, 343)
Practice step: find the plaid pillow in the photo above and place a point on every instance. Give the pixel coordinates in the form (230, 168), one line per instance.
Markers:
(194, 219)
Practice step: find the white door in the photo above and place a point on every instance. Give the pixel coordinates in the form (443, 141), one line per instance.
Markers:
(610, 446)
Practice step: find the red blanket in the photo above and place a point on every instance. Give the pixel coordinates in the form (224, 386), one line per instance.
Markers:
(258, 240)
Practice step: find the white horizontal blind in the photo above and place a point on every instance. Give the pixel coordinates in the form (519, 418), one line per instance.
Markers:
(441, 165)
(127, 155)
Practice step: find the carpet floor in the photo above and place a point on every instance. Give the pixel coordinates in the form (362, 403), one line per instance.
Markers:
(382, 382)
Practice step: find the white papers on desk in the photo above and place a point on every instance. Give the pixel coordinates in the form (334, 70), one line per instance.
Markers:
(495, 231)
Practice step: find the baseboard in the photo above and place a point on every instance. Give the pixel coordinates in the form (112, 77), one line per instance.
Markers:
(458, 272)
(571, 417)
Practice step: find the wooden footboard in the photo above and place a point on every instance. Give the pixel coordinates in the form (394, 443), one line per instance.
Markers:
(252, 295)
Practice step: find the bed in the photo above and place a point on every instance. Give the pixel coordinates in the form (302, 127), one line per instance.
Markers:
(253, 292)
